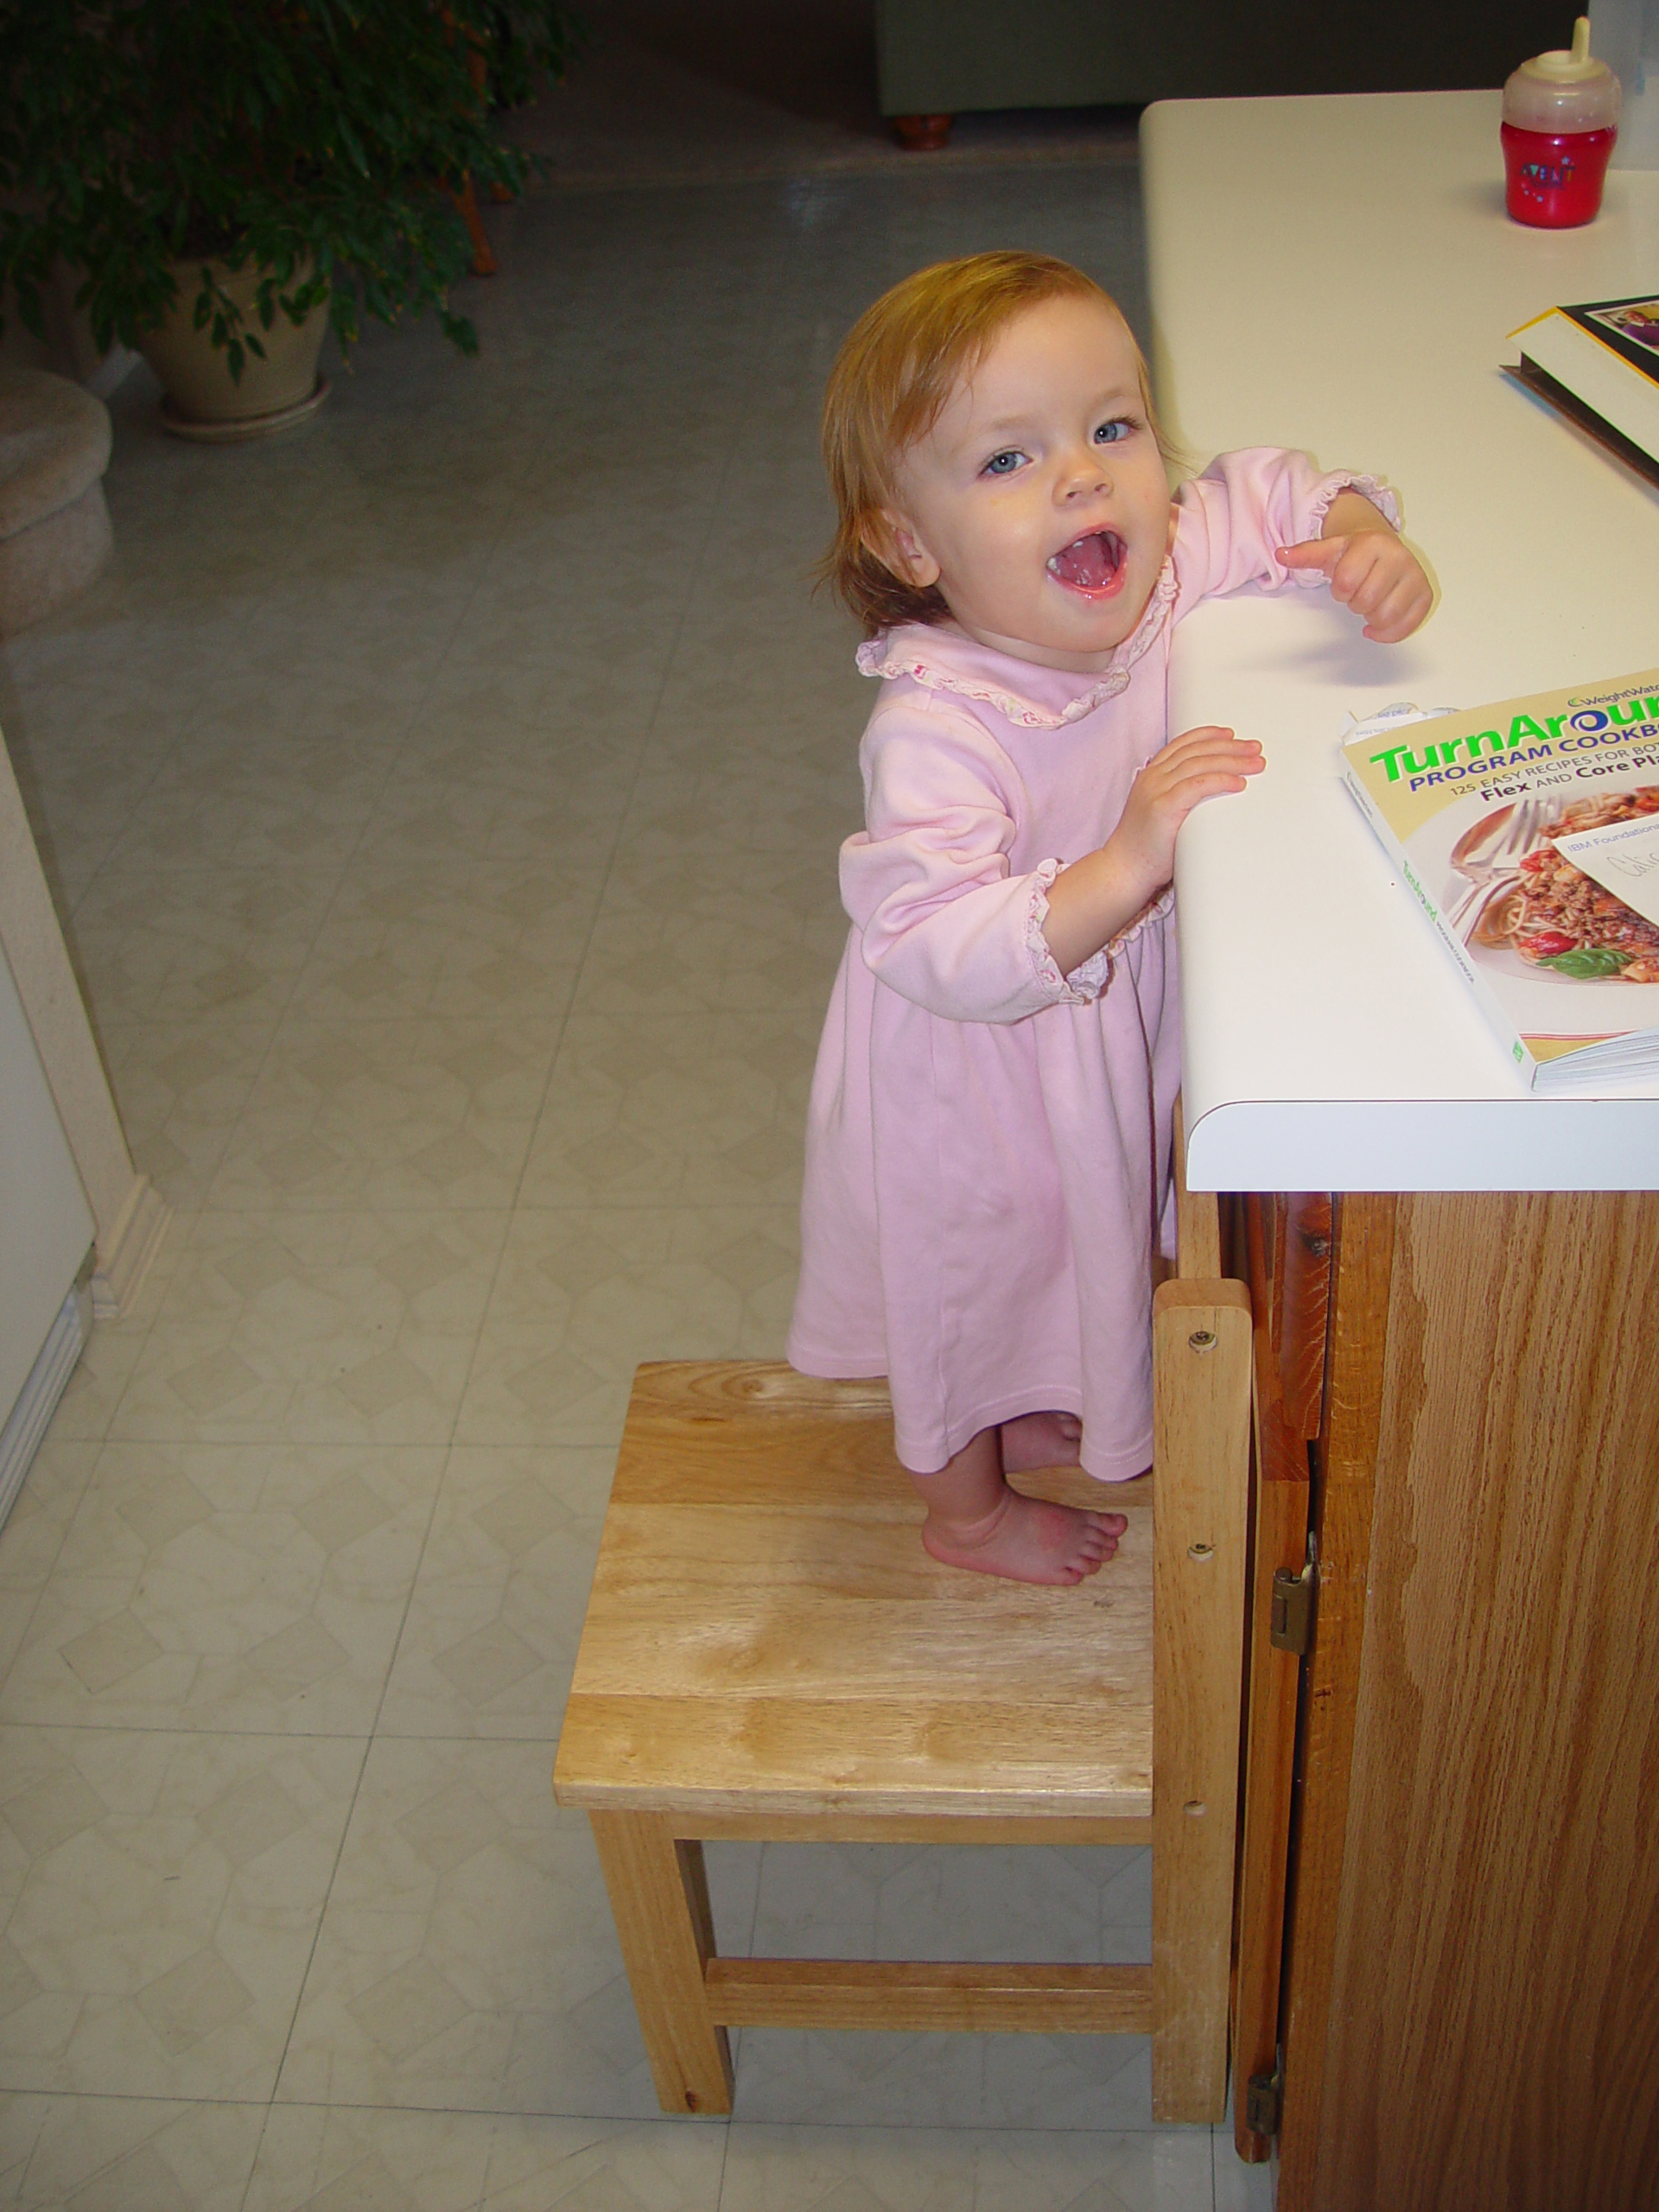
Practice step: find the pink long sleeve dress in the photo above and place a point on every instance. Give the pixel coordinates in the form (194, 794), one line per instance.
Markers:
(988, 1153)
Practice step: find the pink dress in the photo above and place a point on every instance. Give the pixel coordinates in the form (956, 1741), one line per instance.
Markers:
(988, 1141)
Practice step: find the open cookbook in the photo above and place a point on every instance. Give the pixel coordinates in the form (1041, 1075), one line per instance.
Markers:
(1528, 834)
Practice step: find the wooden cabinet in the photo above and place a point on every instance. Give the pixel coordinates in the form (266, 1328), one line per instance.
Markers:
(1470, 2009)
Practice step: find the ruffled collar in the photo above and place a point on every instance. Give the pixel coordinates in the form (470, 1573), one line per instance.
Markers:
(940, 657)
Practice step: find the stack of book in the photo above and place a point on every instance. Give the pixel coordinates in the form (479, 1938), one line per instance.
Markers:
(1598, 364)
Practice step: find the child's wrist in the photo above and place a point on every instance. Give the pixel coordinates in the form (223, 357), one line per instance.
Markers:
(1350, 512)
(1136, 877)
(1096, 899)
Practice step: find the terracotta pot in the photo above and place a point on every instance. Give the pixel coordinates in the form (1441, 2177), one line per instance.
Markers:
(203, 399)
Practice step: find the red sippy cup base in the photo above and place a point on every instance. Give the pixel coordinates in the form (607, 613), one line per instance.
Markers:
(1555, 179)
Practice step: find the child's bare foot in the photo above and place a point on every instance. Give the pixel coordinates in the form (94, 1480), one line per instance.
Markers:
(1028, 1540)
(974, 1520)
(1041, 1440)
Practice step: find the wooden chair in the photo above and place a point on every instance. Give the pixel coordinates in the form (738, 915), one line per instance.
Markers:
(769, 1653)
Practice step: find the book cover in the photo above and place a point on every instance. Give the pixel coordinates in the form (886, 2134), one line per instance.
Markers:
(1598, 363)
(1528, 834)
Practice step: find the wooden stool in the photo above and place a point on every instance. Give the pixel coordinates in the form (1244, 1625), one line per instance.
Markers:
(769, 1653)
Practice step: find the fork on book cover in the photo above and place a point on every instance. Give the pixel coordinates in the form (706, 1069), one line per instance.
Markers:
(1491, 853)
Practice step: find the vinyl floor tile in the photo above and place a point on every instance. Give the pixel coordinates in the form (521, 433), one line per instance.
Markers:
(388, 1115)
(313, 2159)
(703, 931)
(666, 2166)
(674, 1109)
(125, 2154)
(344, 1328)
(250, 820)
(113, 1350)
(180, 1087)
(466, 1959)
(175, 945)
(866, 2166)
(1150, 2169)
(947, 2080)
(33, 1534)
(409, 936)
(248, 1587)
(1239, 2188)
(1022, 1902)
(42, 1510)
(862, 2167)
(493, 1624)
(439, 814)
(164, 1893)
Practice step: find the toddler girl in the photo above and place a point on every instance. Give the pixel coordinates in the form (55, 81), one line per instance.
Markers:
(989, 1138)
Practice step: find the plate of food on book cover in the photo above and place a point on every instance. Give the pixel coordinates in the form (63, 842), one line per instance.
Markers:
(1533, 919)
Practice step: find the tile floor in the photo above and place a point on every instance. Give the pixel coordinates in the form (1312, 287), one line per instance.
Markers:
(442, 805)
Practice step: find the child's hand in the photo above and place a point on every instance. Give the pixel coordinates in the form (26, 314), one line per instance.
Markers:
(1198, 765)
(1091, 901)
(1372, 571)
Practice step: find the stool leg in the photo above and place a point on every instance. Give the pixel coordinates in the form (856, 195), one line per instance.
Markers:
(659, 1899)
(1201, 1386)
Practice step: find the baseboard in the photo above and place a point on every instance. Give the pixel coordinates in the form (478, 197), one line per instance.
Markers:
(122, 1263)
(38, 1398)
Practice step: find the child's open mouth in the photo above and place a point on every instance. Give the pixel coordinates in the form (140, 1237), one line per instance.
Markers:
(1093, 565)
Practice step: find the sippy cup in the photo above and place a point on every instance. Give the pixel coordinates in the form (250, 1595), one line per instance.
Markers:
(1560, 117)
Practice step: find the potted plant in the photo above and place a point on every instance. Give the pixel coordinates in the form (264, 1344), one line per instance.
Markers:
(227, 178)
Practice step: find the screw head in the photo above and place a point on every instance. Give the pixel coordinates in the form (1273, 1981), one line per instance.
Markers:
(1201, 1552)
(1202, 1340)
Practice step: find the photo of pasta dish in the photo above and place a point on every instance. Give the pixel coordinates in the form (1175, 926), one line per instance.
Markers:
(1555, 916)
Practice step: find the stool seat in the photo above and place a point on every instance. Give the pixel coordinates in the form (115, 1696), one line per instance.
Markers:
(767, 1642)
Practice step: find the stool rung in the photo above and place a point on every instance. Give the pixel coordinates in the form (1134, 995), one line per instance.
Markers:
(918, 1996)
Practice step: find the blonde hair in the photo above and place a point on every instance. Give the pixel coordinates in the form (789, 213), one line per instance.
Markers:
(896, 369)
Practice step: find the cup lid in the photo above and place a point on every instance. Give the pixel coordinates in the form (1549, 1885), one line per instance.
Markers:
(1563, 90)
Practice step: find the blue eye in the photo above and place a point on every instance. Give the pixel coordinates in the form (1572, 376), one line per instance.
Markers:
(1113, 433)
(1003, 464)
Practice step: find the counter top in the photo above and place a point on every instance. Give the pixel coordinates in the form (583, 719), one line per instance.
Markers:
(1338, 274)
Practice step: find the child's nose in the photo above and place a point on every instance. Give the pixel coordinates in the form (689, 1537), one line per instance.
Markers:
(1086, 472)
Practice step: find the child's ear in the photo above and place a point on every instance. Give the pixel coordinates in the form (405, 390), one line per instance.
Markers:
(892, 538)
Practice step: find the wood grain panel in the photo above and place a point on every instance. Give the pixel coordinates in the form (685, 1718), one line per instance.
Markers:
(801, 1756)
(1034, 1827)
(1494, 2023)
(1361, 1263)
(1304, 1310)
(917, 1997)
(1197, 1219)
(1201, 1349)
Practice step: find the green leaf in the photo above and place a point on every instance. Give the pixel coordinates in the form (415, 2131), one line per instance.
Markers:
(1586, 963)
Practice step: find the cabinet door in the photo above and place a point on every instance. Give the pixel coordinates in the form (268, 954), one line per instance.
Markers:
(1288, 1251)
(1473, 2017)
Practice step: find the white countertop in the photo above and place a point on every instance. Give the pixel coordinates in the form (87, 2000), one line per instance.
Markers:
(1339, 275)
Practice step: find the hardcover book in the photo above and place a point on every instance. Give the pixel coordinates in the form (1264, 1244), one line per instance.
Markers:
(1598, 364)
(1528, 834)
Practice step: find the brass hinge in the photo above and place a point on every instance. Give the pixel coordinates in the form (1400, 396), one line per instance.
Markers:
(1262, 2097)
(1291, 1627)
